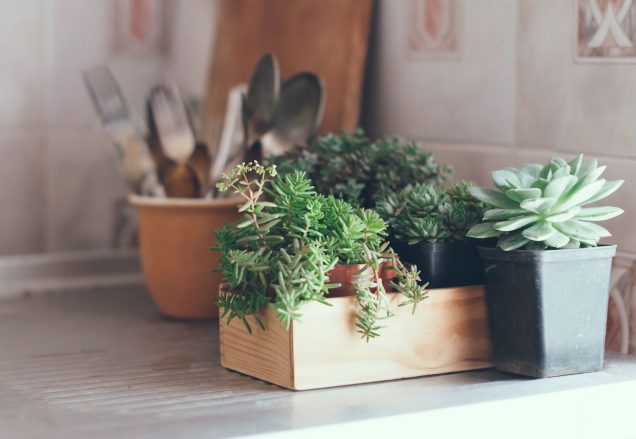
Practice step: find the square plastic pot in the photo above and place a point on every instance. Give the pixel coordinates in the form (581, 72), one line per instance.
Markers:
(444, 264)
(548, 309)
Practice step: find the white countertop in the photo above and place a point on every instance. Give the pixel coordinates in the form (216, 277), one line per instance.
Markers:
(102, 363)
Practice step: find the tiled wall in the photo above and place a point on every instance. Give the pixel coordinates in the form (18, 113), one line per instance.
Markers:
(514, 89)
(58, 184)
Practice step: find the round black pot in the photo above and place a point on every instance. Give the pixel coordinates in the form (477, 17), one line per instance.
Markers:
(548, 309)
(444, 264)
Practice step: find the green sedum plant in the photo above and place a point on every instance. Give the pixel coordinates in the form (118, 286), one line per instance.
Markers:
(352, 167)
(280, 253)
(539, 207)
(429, 213)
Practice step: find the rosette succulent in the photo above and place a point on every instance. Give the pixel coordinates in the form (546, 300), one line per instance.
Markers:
(429, 213)
(540, 207)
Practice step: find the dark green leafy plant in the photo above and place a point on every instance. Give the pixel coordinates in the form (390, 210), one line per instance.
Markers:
(352, 167)
(540, 207)
(280, 253)
(429, 213)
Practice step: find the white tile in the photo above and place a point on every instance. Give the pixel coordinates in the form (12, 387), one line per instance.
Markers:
(21, 63)
(565, 105)
(470, 98)
(472, 162)
(83, 187)
(79, 44)
(23, 200)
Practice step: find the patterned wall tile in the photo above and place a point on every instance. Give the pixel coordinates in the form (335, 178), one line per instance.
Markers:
(564, 105)
(606, 30)
(468, 99)
(432, 27)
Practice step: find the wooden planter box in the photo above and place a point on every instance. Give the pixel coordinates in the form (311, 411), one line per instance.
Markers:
(448, 333)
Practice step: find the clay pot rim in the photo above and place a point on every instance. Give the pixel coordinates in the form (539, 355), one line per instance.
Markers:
(189, 203)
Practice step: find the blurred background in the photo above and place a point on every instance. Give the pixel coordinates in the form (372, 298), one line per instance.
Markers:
(482, 84)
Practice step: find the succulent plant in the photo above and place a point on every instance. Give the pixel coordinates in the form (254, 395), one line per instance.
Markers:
(542, 206)
(429, 213)
(279, 254)
(352, 167)
(279, 114)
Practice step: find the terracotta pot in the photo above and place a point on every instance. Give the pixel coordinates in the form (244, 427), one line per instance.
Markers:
(174, 238)
(344, 274)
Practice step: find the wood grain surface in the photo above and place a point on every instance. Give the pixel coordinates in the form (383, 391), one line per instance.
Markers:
(328, 37)
(448, 333)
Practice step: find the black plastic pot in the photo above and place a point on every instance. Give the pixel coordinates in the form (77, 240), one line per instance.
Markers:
(444, 264)
(548, 309)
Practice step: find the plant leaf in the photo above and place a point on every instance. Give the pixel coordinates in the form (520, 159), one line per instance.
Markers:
(564, 216)
(523, 194)
(503, 214)
(483, 230)
(539, 231)
(539, 205)
(516, 223)
(608, 188)
(598, 213)
(579, 195)
(582, 230)
(557, 239)
(506, 179)
(557, 186)
(492, 198)
(512, 242)
(575, 164)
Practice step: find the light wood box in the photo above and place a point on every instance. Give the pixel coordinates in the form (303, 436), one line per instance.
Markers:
(448, 333)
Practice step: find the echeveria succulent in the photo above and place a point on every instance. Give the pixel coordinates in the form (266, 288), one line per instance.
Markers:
(542, 206)
(429, 213)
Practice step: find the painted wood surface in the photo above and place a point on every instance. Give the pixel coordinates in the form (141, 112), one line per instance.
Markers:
(447, 333)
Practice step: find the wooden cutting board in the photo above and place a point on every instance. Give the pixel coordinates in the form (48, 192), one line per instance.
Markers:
(328, 37)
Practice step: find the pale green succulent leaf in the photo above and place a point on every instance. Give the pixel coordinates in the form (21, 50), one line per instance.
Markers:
(532, 169)
(512, 242)
(483, 230)
(564, 216)
(539, 231)
(572, 243)
(492, 198)
(506, 179)
(519, 195)
(575, 164)
(579, 195)
(598, 213)
(586, 168)
(607, 189)
(539, 205)
(516, 223)
(503, 214)
(559, 162)
(562, 171)
(557, 239)
(557, 186)
(581, 230)
(593, 176)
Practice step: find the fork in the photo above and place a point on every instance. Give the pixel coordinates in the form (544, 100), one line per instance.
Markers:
(172, 123)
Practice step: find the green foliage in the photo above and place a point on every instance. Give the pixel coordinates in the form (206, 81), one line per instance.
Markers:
(429, 213)
(352, 167)
(541, 207)
(282, 249)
